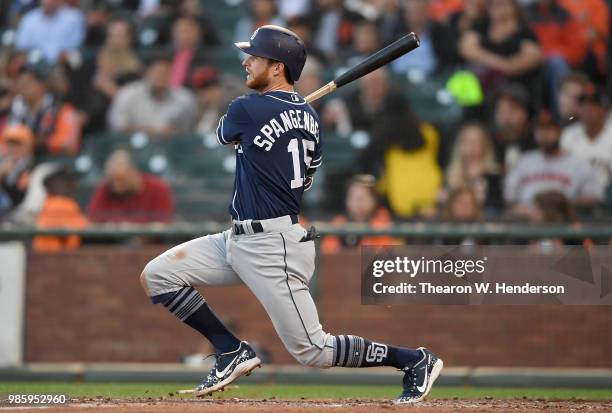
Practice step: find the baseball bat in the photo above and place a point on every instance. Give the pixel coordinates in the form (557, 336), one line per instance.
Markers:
(396, 49)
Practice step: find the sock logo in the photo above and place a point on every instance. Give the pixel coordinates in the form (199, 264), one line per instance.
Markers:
(376, 352)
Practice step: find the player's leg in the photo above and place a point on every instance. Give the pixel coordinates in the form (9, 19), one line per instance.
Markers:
(277, 268)
(170, 278)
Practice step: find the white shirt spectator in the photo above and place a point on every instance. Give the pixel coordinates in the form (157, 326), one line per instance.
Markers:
(293, 8)
(535, 173)
(62, 31)
(135, 108)
(598, 151)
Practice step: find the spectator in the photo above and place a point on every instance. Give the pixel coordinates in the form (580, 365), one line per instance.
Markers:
(473, 166)
(290, 9)
(12, 11)
(151, 106)
(511, 125)
(55, 124)
(441, 10)
(548, 168)
(187, 53)
(118, 48)
(462, 206)
(560, 38)
(333, 27)
(363, 207)
(391, 21)
(148, 8)
(98, 16)
(571, 88)
(128, 195)
(552, 207)
(211, 100)
(385, 114)
(116, 66)
(302, 27)
(194, 9)
(60, 210)
(310, 79)
(52, 29)
(594, 19)
(398, 146)
(591, 137)
(5, 103)
(465, 20)
(262, 12)
(558, 32)
(365, 43)
(503, 47)
(16, 165)
(435, 52)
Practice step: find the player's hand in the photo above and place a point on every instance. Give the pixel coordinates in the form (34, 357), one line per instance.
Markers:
(308, 182)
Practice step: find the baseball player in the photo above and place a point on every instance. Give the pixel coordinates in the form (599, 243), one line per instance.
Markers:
(278, 146)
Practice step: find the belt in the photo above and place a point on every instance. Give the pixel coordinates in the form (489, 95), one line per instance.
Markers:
(240, 228)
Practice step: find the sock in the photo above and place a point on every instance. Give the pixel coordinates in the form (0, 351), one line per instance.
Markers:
(188, 305)
(354, 351)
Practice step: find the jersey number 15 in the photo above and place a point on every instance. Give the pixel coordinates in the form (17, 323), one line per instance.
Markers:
(294, 149)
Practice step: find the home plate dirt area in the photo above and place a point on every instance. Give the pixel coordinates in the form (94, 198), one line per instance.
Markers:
(166, 405)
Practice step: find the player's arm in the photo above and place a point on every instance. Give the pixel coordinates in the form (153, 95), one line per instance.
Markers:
(233, 124)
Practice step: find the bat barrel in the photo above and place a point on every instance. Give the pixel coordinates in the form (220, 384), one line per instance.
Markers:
(396, 49)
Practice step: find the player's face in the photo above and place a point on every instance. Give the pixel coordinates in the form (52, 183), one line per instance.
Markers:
(258, 72)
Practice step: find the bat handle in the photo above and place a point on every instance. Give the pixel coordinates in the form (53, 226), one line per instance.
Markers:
(322, 91)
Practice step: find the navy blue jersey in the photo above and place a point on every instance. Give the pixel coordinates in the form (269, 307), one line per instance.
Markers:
(278, 150)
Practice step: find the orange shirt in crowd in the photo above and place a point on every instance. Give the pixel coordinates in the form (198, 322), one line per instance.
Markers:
(381, 220)
(66, 135)
(440, 10)
(592, 15)
(59, 212)
(563, 39)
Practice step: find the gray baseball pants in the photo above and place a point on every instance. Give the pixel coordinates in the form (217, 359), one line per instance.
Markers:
(273, 264)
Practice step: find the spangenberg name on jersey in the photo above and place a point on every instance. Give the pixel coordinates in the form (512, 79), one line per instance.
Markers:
(290, 119)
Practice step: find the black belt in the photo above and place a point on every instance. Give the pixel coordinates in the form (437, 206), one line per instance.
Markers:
(256, 225)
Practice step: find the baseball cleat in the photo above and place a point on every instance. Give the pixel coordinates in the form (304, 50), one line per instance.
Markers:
(227, 368)
(419, 377)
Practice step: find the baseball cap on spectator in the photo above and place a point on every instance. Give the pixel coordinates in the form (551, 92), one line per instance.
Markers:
(18, 133)
(515, 92)
(594, 94)
(546, 120)
(204, 77)
(40, 69)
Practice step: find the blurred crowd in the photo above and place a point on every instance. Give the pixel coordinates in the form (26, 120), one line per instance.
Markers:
(531, 78)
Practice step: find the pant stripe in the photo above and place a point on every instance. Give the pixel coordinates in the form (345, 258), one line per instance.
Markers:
(291, 295)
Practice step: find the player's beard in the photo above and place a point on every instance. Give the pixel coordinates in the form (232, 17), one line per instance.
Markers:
(259, 82)
(550, 148)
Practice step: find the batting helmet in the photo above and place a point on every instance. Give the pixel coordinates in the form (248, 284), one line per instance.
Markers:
(277, 43)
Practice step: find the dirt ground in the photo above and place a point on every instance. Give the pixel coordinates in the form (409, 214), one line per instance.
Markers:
(167, 405)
